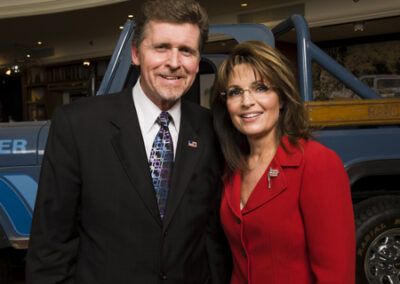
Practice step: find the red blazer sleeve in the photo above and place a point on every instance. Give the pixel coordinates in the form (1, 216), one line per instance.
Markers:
(326, 205)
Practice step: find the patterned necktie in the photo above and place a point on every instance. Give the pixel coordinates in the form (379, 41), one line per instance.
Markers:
(161, 159)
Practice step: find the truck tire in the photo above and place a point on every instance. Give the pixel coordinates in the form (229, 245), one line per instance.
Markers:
(378, 240)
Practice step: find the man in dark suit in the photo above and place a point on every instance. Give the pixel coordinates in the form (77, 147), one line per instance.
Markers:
(130, 182)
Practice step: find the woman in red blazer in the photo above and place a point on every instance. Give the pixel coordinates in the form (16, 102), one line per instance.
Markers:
(286, 206)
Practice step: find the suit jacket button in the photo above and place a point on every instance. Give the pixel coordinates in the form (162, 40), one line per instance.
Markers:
(163, 276)
(165, 233)
(238, 220)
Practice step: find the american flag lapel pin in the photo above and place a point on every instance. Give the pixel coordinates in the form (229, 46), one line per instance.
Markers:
(272, 173)
(192, 143)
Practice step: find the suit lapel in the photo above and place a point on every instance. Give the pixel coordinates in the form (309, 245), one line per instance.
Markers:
(232, 192)
(262, 193)
(186, 159)
(129, 147)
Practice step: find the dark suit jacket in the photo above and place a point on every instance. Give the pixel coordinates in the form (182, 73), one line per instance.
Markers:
(96, 218)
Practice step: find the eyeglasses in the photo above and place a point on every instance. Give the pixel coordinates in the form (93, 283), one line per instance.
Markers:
(257, 90)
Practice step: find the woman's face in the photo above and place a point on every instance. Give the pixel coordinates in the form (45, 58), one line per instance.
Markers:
(252, 104)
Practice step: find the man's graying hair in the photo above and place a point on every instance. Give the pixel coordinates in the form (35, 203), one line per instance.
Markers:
(172, 11)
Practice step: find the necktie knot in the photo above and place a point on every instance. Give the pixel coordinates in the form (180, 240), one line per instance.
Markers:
(164, 119)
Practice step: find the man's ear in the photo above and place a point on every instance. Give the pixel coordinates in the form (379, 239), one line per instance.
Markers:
(135, 55)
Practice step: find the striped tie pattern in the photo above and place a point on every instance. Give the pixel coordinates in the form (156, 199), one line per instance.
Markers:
(161, 159)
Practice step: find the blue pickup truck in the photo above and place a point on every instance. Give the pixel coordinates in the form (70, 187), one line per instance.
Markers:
(365, 134)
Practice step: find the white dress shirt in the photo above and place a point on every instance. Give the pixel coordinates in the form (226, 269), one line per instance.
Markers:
(148, 112)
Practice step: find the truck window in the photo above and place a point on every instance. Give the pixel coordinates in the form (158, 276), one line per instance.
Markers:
(388, 83)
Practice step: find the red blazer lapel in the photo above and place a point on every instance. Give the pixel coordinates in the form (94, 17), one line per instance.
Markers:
(266, 190)
(232, 191)
(272, 184)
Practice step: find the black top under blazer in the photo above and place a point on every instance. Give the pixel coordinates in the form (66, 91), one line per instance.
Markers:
(96, 218)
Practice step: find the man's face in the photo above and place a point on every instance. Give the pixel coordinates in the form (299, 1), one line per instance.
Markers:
(169, 59)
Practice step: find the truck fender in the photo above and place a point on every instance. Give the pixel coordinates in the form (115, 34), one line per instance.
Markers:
(373, 168)
(17, 197)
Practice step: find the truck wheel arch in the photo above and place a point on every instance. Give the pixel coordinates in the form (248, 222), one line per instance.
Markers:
(373, 168)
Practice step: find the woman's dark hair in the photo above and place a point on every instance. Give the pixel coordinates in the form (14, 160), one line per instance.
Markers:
(270, 65)
(171, 11)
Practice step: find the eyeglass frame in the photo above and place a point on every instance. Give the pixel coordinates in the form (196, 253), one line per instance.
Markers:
(251, 90)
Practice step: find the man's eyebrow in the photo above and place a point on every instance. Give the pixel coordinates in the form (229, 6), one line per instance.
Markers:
(162, 44)
(180, 47)
(188, 47)
(193, 50)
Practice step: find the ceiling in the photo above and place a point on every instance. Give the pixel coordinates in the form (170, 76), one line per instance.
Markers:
(19, 8)
(373, 30)
(96, 29)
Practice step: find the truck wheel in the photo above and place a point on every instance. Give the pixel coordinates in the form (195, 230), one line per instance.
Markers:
(378, 240)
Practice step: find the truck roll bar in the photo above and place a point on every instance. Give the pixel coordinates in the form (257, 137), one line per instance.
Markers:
(307, 51)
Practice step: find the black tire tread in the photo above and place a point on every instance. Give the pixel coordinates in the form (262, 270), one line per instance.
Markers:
(372, 207)
(368, 214)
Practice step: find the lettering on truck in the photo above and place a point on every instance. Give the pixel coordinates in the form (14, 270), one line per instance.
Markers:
(13, 146)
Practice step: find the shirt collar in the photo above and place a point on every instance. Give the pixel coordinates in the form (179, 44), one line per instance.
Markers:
(148, 112)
